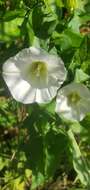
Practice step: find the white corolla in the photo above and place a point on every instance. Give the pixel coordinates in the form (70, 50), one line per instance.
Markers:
(33, 75)
(73, 101)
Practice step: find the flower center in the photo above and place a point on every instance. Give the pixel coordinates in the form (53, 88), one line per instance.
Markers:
(38, 73)
(73, 98)
(38, 69)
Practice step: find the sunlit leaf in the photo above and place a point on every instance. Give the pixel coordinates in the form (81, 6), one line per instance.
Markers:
(80, 76)
(79, 162)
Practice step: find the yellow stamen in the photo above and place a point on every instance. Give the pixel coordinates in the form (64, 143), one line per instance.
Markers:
(38, 72)
(73, 98)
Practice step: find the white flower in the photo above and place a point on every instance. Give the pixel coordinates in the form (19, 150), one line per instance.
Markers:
(33, 75)
(73, 101)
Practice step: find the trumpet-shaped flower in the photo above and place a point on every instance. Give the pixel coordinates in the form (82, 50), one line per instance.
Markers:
(33, 75)
(73, 101)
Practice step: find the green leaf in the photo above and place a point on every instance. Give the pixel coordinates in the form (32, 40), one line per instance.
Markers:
(87, 7)
(80, 76)
(3, 162)
(50, 107)
(67, 39)
(74, 38)
(61, 40)
(79, 163)
(47, 159)
(84, 51)
(37, 180)
(11, 29)
(10, 15)
(46, 23)
(85, 133)
(55, 147)
(45, 146)
(86, 66)
(75, 23)
(59, 3)
(28, 173)
(27, 31)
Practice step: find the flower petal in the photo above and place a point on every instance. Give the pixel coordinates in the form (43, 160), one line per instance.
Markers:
(84, 108)
(57, 71)
(20, 89)
(10, 67)
(63, 109)
(28, 55)
(42, 96)
(45, 95)
(81, 89)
